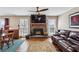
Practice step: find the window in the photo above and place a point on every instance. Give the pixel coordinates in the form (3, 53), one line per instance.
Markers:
(1, 23)
(51, 26)
(24, 27)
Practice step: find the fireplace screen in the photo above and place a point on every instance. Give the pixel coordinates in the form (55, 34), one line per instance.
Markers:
(37, 32)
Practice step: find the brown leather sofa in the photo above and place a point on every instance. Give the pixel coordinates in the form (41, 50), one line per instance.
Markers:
(66, 40)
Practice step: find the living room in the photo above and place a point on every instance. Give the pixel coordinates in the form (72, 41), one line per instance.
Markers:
(30, 35)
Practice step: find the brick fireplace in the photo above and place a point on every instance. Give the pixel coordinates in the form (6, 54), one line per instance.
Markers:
(38, 29)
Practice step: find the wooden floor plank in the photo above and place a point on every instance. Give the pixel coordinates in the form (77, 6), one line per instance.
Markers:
(25, 45)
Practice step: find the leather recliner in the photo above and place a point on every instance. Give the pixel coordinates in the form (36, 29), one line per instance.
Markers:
(67, 42)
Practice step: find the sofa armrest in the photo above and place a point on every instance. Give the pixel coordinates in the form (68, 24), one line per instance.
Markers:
(63, 36)
(56, 34)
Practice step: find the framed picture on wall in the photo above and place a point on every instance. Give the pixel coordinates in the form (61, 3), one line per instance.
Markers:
(74, 20)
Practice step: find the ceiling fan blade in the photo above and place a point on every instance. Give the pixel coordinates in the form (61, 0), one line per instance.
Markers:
(39, 10)
(44, 10)
(33, 11)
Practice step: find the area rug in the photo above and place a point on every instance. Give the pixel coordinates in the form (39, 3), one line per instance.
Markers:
(41, 46)
(12, 48)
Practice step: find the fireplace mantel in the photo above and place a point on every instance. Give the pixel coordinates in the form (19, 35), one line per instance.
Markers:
(38, 25)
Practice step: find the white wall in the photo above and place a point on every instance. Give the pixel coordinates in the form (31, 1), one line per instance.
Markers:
(14, 20)
(63, 20)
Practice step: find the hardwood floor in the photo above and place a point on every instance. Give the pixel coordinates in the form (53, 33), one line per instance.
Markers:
(25, 45)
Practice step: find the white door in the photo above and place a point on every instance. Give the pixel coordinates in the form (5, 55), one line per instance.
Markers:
(24, 28)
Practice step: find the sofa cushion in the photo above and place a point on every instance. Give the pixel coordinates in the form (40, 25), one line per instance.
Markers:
(56, 34)
(67, 33)
(62, 32)
(75, 37)
(65, 45)
(72, 34)
(64, 36)
(73, 41)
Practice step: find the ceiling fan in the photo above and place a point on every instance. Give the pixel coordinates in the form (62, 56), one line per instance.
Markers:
(39, 10)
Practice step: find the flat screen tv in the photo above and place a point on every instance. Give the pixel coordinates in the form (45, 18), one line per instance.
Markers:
(38, 18)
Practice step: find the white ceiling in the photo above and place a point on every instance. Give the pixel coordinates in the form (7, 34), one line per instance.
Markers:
(25, 11)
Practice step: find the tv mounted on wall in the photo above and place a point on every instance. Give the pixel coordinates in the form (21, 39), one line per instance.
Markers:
(38, 18)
